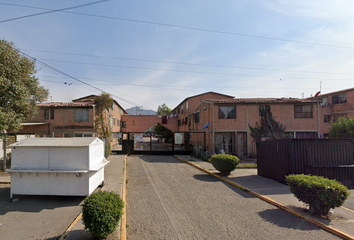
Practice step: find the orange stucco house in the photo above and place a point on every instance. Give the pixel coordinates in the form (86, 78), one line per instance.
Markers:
(214, 121)
(224, 120)
(70, 119)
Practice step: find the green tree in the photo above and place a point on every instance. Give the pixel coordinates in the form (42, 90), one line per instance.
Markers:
(267, 127)
(342, 128)
(19, 88)
(164, 132)
(163, 110)
(102, 126)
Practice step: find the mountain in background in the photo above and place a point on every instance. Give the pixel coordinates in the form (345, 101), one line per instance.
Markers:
(133, 111)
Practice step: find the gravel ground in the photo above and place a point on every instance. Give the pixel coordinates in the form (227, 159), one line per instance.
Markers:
(168, 199)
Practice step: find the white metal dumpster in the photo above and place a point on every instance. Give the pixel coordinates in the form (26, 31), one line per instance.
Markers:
(57, 166)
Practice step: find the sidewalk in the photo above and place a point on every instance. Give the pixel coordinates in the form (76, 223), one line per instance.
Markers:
(341, 220)
(5, 177)
(113, 177)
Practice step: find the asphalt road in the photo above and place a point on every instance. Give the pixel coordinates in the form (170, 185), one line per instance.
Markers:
(36, 217)
(168, 199)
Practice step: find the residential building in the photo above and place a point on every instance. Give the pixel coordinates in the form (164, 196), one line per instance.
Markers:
(334, 105)
(226, 121)
(70, 119)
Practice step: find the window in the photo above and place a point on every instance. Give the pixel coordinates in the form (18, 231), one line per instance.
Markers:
(303, 111)
(227, 112)
(324, 101)
(179, 122)
(51, 113)
(186, 105)
(186, 121)
(124, 124)
(340, 98)
(178, 111)
(196, 117)
(46, 113)
(81, 115)
(327, 118)
(263, 108)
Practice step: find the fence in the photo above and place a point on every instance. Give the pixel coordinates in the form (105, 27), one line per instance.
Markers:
(330, 158)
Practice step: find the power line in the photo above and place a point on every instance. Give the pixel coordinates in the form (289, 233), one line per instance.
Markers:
(50, 10)
(180, 88)
(185, 71)
(188, 63)
(76, 79)
(193, 28)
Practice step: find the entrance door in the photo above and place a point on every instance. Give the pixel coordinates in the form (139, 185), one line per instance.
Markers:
(241, 144)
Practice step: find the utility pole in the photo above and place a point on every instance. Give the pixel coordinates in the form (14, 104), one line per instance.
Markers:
(138, 109)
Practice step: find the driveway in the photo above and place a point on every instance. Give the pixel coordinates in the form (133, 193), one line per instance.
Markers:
(169, 199)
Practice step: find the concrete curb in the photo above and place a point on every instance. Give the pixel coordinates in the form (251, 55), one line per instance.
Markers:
(277, 204)
(72, 225)
(123, 222)
(123, 227)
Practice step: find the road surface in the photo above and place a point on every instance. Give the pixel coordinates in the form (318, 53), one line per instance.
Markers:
(169, 199)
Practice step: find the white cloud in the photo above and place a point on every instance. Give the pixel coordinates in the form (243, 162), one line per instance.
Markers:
(334, 10)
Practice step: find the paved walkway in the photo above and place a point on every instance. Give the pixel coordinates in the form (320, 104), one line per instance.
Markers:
(113, 176)
(341, 220)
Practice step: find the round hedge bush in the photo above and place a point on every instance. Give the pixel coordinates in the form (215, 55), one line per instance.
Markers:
(320, 193)
(101, 213)
(225, 163)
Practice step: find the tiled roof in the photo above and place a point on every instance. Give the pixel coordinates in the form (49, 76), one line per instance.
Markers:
(260, 100)
(66, 104)
(226, 96)
(337, 92)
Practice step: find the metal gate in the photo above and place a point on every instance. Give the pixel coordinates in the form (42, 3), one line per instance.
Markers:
(159, 144)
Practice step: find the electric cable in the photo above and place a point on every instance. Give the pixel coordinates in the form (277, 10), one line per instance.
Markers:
(199, 29)
(53, 10)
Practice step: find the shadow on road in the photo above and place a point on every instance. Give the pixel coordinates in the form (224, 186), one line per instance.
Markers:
(159, 159)
(29, 203)
(208, 178)
(282, 219)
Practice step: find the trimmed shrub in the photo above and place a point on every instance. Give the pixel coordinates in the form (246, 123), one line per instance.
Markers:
(321, 194)
(101, 213)
(225, 163)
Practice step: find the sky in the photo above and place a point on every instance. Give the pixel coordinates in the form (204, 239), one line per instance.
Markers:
(146, 53)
